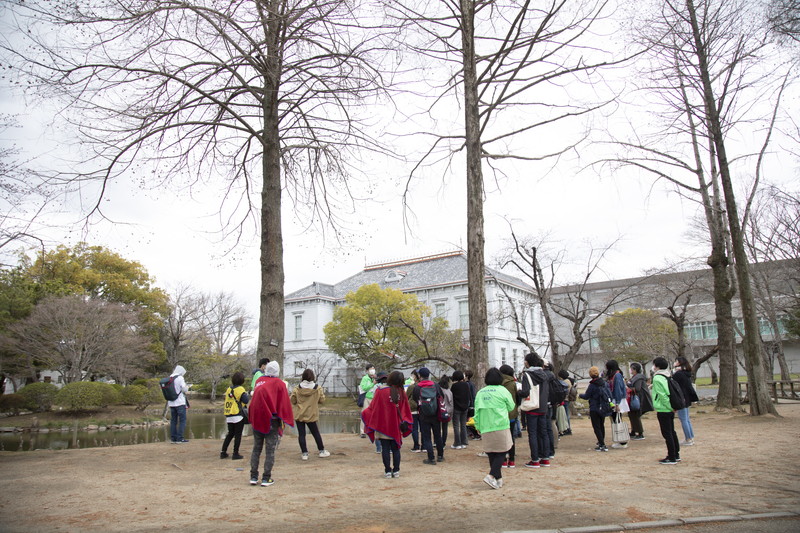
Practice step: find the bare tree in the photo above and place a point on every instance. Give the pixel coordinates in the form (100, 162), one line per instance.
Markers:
(182, 331)
(218, 321)
(705, 69)
(568, 309)
(82, 337)
(253, 97)
(503, 57)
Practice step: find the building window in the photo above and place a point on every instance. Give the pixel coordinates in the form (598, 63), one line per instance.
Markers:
(298, 327)
(514, 358)
(439, 310)
(463, 314)
(502, 356)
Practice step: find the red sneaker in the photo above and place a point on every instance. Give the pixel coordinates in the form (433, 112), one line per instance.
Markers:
(511, 464)
(505, 464)
(545, 462)
(532, 464)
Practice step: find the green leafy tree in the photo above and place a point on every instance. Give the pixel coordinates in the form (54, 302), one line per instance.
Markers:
(377, 325)
(637, 335)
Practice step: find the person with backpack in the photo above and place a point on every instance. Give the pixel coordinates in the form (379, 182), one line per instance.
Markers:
(665, 411)
(599, 406)
(447, 395)
(235, 398)
(270, 409)
(388, 419)
(682, 374)
(306, 399)
(492, 406)
(427, 395)
(177, 407)
(535, 395)
(641, 400)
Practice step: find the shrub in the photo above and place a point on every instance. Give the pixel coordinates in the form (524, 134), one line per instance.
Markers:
(110, 394)
(11, 403)
(141, 396)
(39, 397)
(83, 395)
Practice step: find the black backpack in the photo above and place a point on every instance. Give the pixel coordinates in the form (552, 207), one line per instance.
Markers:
(168, 388)
(606, 402)
(676, 399)
(557, 392)
(428, 403)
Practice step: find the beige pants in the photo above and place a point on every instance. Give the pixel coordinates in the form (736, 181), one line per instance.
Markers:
(367, 401)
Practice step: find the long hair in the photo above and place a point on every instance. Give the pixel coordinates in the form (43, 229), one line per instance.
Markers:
(395, 381)
(684, 363)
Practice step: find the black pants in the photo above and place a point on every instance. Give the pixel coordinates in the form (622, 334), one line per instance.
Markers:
(636, 422)
(444, 432)
(301, 435)
(666, 421)
(426, 428)
(389, 452)
(496, 464)
(599, 427)
(513, 451)
(235, 435)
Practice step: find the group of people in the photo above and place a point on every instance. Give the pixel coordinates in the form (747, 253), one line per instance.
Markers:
(395, 407)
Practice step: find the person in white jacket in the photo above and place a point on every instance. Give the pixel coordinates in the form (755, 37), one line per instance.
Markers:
(177, 407)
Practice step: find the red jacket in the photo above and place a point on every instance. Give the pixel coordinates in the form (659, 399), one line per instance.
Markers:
(270, 400)
(382, 415)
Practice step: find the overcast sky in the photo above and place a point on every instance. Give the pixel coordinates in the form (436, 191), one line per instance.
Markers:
(176, 236)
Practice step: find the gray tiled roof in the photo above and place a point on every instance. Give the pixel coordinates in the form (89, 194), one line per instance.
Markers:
(424, 272)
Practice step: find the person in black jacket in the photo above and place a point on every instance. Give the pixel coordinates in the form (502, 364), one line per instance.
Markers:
(597, 395)
(641, 392)
(683, 376)
(462, 398)
(536, 417)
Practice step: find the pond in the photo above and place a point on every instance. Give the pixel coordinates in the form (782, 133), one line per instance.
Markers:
(198, 426)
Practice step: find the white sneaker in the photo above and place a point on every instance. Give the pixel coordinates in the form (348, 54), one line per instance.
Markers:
(324, 453)
(387, 475)
(395, 474)
(619, 445)
(500, 482)
(455, 447)
(491, 481)
(688, 442)
(304, 457)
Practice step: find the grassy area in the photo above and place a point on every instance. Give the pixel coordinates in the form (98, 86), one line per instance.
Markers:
(705, 382)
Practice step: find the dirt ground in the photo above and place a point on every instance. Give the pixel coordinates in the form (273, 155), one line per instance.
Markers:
(740, 464)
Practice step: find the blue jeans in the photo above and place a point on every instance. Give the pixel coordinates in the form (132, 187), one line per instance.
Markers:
(177, 422)
(686, 424)
(537, 435)
(549, 443)
(415, 431)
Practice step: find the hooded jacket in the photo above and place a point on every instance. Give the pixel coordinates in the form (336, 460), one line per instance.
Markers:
(638, 384)
(270, 401)
(661, 392)
(180, 387)
(306, 399)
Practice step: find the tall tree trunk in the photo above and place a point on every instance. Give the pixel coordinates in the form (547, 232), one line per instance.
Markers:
(270, 322)
(760, 402)
(478, 322)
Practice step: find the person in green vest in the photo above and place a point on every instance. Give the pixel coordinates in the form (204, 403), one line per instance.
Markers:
(258, 372)
(492, 405)
(366, 385)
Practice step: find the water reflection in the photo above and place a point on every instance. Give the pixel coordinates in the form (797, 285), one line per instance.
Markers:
(198, 426)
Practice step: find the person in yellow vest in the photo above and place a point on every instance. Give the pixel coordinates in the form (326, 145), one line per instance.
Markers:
(235, 397)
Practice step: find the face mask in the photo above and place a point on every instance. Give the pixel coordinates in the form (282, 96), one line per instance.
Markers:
(371, 371)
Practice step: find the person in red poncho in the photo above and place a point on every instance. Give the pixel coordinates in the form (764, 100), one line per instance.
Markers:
(389, 419)
(270, 408)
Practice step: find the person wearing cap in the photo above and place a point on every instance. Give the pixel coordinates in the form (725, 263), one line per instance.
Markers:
(270, 408)
(429, 424)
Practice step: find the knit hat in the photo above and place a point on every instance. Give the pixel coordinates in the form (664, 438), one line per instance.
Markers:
(272, 369)
(424, 373)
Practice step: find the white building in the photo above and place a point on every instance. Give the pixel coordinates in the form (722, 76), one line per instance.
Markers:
(440, 282)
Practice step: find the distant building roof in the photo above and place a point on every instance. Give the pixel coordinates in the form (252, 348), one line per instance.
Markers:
(445, 269)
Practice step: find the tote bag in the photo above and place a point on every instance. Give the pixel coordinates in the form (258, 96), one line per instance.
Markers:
(532, 401)
(619, 429)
